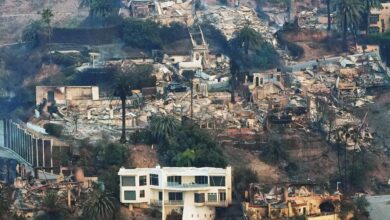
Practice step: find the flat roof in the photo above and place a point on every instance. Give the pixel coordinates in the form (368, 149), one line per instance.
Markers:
(182, 171)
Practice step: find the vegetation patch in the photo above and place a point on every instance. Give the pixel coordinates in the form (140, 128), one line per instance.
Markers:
(54, 129)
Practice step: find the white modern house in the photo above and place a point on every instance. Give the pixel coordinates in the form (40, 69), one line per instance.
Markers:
(193, 192)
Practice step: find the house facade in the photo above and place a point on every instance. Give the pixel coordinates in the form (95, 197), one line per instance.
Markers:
(63, 94)
(192, 192)
(380, 19)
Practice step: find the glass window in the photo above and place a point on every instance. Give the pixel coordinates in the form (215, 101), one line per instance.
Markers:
(174, 180)
(212, 197)
(142, 193)
(373, 30)
(128, 180)
(199, 197)
(153, 179)
(217, 181)
(201, 179)
(160, 196)
(129, 195)
(374, 19)
(222, 196)
(142, 181)
(175, 196)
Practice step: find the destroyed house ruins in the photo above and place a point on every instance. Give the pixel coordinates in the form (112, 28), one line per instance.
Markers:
(85, 103)
(142, 8)
(290, 199)
(64, 94)
(264, 84)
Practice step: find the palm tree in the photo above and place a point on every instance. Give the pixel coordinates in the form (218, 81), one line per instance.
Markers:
(189, 75)
(186, 158)
(328, 12)
(342, 136)
(52, 207)
(350, 12)
(100, 206)
(46, 17)
(163, 126)
(122, 90)
(248, 38)
(369, 4)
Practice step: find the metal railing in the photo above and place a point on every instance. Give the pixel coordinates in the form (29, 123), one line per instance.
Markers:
(174, 202)
(186, 185)
(216, 203)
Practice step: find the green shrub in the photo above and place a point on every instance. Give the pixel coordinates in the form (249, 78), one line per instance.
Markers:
(141, 137)
(188, 145)
(111, 181)
(295, 50)
(30, 34)
(155, 213)
(54, 129)
(67, 59)
(111, 154)
(242, 177)
(147, 34)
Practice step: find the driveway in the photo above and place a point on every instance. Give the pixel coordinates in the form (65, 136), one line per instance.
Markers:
(379, 207)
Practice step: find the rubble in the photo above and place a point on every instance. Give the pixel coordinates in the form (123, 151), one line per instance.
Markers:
(289, 200)
(29, 193)
(231, 20)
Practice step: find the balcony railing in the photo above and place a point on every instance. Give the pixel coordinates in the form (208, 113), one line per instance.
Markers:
(216, 203)
(186, 185)
(174, 202)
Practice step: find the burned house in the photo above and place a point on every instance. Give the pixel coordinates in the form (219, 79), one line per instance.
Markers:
(142, 8)
(264, 84)
(63, 94)
(289, 200)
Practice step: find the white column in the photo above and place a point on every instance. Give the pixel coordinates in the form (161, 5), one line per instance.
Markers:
(17, 138)
(32, 150)
(43, 153)
(36, 152)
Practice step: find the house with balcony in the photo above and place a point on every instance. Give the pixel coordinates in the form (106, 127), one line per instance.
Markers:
(380, 19)
(191, 192)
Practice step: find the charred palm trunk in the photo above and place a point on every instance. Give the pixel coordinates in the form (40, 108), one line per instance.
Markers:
(246, 47)
(338, 159)
(233, 84)
(345, 168)
(123, 136)
(345, 30)
(367, 16)
(328, 11)
(353, 159)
